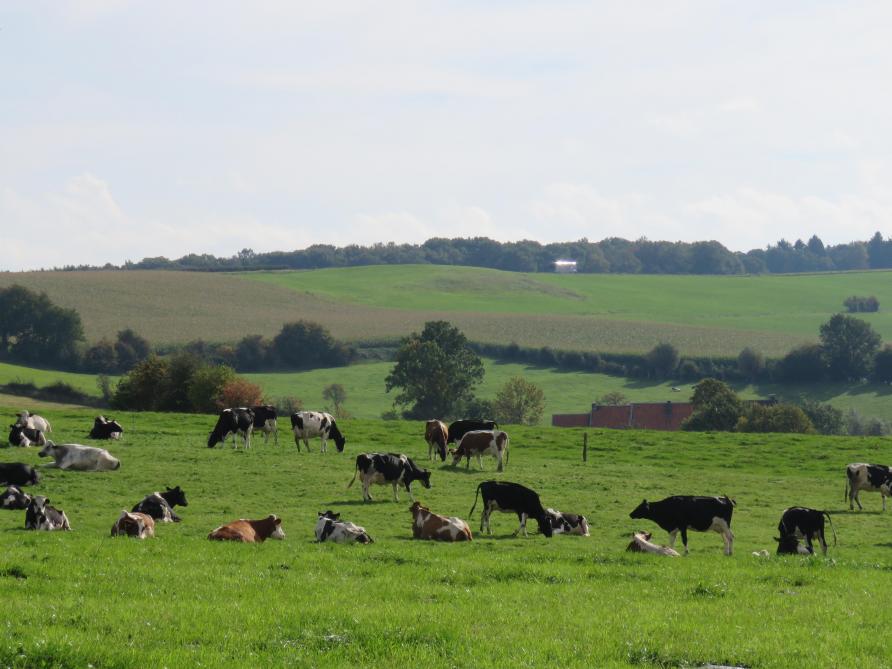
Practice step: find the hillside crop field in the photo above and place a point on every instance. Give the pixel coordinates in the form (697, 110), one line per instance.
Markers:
(83, 598)
(700, 315)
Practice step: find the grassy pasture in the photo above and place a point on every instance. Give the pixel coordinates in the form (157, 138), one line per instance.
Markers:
(84, 598)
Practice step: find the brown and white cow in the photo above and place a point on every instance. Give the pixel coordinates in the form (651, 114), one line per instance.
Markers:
(435, 434)
(427, 525)
(482, 442)
(250, 531)
(134, 524)
(641, 543)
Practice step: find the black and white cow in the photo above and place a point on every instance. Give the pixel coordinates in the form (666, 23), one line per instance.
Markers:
(159, 505)
(458, 428)
(33, 421)
(14, 499)
(392, 468)
(25, 436)
(18, 473)
(800, 522)
(238, 421)
(872, 478)
(511, 497)
(680, 512)
(567, 523)
(41, 516)
(307, 424)
(330, 527)
(106, 428)
(265, 421)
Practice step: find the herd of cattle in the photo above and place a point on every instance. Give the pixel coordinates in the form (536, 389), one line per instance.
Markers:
(472, 438)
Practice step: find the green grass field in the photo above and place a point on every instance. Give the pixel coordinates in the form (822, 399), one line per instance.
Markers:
(701, 315)
(85, 599)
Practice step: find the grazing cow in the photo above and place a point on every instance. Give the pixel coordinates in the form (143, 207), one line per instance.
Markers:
(435, 434)
(567, 523)
(458, 428)
(18, 473)
(872, 478)
(239, 421)
(803, 523)
(330, 527)
(25, 436)
(133, 524)
(33, 421)
(250, 531)
(307, 424)
(427, 525)
(641, 543)
(265, 421)
(677, 514)
(106, 428)
(79, 458)
(14, 499)
(506, 497)
(41, 516)
(159, 505)
(482, 442)
(392, 468)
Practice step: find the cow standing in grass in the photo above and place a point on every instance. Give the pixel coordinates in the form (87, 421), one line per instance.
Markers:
(677, 514)
(871, 478)
(511, 498)
(388, 468)
(232, 422)
(478, 443)
(799, 522)
(308, 424)
(436, 435)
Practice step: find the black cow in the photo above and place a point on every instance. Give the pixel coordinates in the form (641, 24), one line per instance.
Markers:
(800, 522)
(19, 435)
(872, 478)
(265, 420)
(233, 422)
(18, 473)
(41, 516)
(677, 514)
(14, 499)
(506, 496)
(106, 428)
(458, 428)
(160, 505)
(392, 468)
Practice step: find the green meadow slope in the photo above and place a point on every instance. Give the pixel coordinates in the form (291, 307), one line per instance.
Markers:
(83, 598)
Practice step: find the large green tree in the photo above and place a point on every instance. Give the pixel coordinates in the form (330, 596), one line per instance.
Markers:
(34, 329)
(520, 402)
(850, 346)
(436, 372)
(716, 407)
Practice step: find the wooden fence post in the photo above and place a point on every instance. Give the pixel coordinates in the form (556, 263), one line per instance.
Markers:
(585, 446)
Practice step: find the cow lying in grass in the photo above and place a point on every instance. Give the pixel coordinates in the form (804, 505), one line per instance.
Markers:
(132, 524)
(330, 527)
(797, 523)
(79, 458)
(641, 543)
(18, 474)
(14, 499)
(25, 436)
(567, 523)
(159, 505)
(106, 428)
(41, 516)
(250, 531)
(427, 525)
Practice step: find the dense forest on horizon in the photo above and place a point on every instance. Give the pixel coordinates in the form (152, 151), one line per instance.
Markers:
(611, 255)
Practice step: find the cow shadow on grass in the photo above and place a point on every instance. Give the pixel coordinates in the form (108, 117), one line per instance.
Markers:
(847, 512)
(359, 502)
(887, 544)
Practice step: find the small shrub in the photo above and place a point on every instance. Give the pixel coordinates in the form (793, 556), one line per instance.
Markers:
(239, 392)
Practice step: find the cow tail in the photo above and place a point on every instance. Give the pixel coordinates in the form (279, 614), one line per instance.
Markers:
(355, 473)
(49, 428)
(475, 501)
(832, 529)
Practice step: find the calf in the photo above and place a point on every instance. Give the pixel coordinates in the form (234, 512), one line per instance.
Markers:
(507, 497)
(132, 524)
(79, 458)
(436, 434)
(232, 422)
(25, 436)
(160, 505)
(427, 525)
(33, 422)
(250, 531)
(265, 421)
(677, 514)
(872, 478)
(789, 544)
(392, 468)
(106, 428)
(41, 516)
(803, 523)
(482, 442)
(307, 424)
(330, 527)
(641, 543)
(457, 429)
(18, 473)
(567, 523)
(14, 499)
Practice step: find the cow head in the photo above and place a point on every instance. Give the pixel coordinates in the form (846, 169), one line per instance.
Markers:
(38, 505)
(175, 496)
(278, 532)
(339, 438)
(417, 508)
(424, 476)
(545, 525)
(331, 515)
(48, 450)
(788, 544)
(641, 511)
(17, 435)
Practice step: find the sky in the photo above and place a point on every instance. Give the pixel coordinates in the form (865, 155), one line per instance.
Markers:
(135, 129)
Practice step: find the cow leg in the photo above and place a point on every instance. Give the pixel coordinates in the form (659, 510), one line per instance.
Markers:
(324, 444)
(672, 535)
(395, 498)
(479, 461)
(366, 497)
(499, 468)
(822, 541)
(884, 501)
(857, 499)
(306, 444)
(684, 539)
(409, 490)
(523, 525)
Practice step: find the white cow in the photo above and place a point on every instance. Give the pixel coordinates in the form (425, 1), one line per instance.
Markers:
(79, 458)
(641, 543)
(32, 421)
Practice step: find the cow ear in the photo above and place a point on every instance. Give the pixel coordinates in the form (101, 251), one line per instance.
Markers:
(277, 520)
